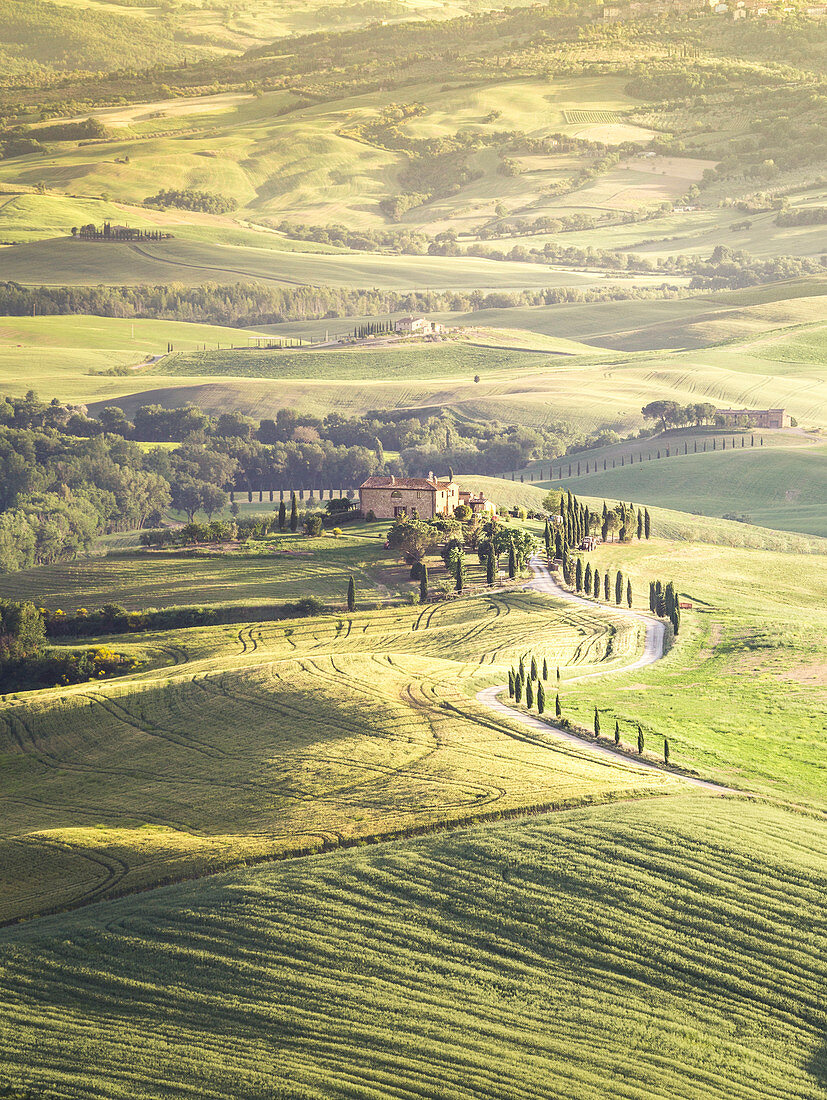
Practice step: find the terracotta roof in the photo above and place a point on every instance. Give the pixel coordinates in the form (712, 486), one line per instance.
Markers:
(398, 483)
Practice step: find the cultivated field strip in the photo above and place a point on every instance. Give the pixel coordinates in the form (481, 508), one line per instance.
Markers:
(639, 950)
(290, 736)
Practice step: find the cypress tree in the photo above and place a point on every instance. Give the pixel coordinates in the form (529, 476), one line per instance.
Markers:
(587, 580)
(596, 588)
(665, 751)
(606, 586)
(596, 722)
(351, 595)
(639, 741)
(529, 694)
(652, 601)
(282, 516)
(294, 513)
(578, 576)
(547, 536)
(518, 688)
(617, 732)
(460, 571)
(541, 698)
(489, 568)
(423, 583)
(511, 682)
(558, 710)
(639, 524)
(545, 669)
(629, 593)
(618, 588)
(558, 543)
(522, 668)
(647, 523)
(533, 668)
(512, 562)
(558, 675)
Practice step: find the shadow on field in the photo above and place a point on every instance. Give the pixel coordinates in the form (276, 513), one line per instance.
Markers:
(818, 1066)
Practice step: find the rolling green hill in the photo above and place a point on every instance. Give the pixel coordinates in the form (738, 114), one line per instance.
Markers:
(686, 933)
(775, 486)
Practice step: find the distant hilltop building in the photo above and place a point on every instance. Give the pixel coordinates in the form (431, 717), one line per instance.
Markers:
(755, 418)
(108, 232)
(389, 497)
(417, 326)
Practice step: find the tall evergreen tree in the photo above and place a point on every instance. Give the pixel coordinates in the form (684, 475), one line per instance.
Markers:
(665, 751)
(607, 584)
(512, 562)
(541, 698)
(533, 668)
(617, 732)
(351, 595)
(518, 688)
(596, 584)
(639, 524)
(578, 575)
(529, 694)
(629, 593)
(294, 513)
(511, 682)
(587, 580)
(558, 543)
(647, 523)
(423, 583)
(490, 570)
(596, 722)
(460, 567)
(547, 537)
(558, 710)
(545, 669)
(639, 741)
(652, 601)
(282, 516)
(618, 588)
(558, 674)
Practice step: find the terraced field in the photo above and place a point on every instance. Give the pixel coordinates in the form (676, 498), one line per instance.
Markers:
(282, 737)
(685, 933)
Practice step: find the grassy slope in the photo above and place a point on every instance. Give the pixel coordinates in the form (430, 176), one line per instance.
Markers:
(686, 934)
(276, 737)
(776, 486)
(747, 682)
(271, 570)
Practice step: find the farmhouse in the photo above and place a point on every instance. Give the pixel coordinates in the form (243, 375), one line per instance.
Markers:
(417, 326)
(390, 497)
(478, 503)
(755, 418)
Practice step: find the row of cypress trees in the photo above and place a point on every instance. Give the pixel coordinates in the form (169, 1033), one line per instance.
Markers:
(520, 683)
(665, 602)
(589, 582)
(577, 522)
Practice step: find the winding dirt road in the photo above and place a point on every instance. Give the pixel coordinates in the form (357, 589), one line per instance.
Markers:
(652, 651)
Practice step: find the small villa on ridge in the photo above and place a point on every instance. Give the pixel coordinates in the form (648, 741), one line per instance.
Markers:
(389, 497)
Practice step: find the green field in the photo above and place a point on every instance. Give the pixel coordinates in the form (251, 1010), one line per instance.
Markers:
(746, 685)
(686, 933)
(272, 570)
(774, 486)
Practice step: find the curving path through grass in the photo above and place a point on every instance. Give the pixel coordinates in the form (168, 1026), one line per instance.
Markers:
(652, 651)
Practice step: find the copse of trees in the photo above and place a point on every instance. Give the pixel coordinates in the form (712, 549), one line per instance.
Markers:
(188, 199)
